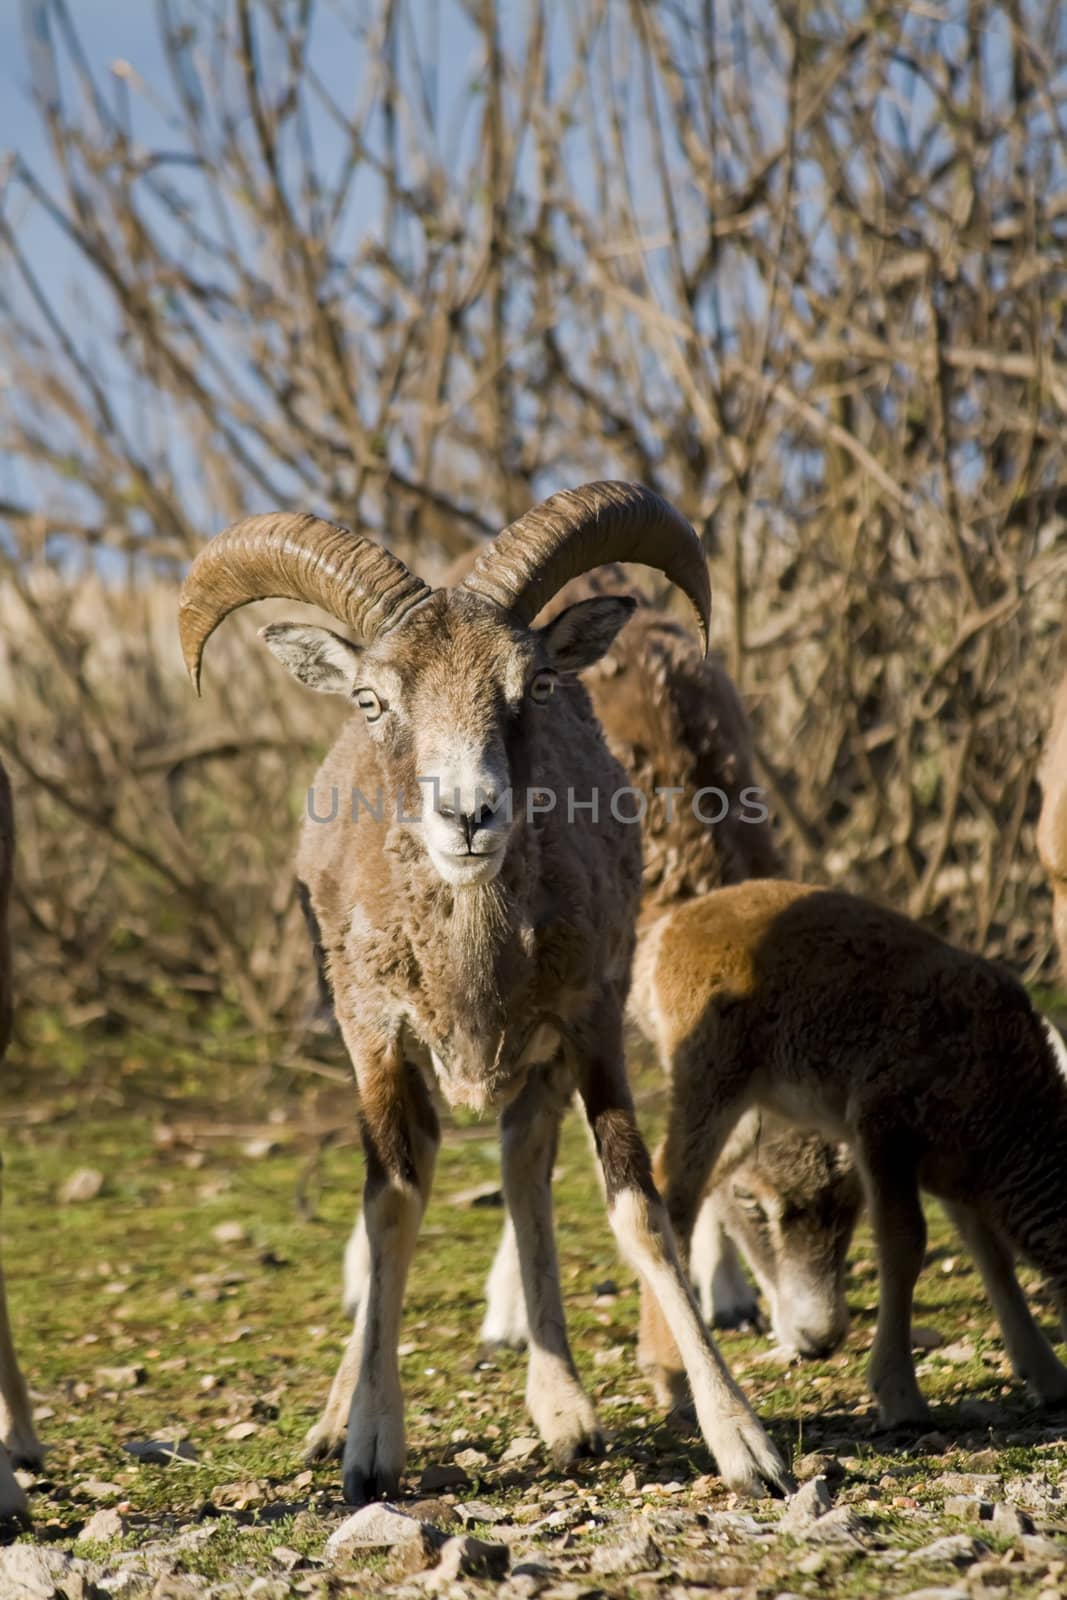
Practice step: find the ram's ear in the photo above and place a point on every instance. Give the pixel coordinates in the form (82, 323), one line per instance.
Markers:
(584, 632)
(316, 656)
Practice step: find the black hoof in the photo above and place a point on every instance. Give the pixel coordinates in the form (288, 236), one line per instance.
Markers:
(361, 1488)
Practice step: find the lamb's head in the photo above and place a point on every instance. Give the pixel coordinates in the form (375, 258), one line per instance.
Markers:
(456, 685)
(792, 1206)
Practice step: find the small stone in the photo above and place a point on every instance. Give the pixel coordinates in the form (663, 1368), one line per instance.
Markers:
(987, 1484)
(624, 1557)
(440, 1476)
(160, 1452)
(97, 1489)
(961, 1549)
(285, 1556)
(39, 1572)
(811, 1501)
(611, 1356)
(103, 1525)
(229, 1233)
(925, 1338)
(242, 1430)
(120, 1377)
(472, 1461)
(959, 1352)
(1042, 1548)
(237, 1496)
(814, 1563)
(380, 1527)
(473, 1511)
(521, 1449)
(1010, 1522)
(969, 1506)
(466, 1557)
(935, 1594)
(818, 1465)
(842, 1525)
(83, 1184)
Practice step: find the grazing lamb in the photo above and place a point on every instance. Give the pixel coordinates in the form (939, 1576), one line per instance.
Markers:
(930, 1062)
(483, 930)
(1052, 824)
(20, 1442)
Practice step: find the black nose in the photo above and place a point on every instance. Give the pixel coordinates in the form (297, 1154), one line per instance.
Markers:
(469, 821)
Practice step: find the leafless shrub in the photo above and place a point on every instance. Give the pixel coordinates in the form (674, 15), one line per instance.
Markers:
(800, 269)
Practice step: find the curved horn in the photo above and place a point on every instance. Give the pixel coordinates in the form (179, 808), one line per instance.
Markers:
(293, 556)
(578, 529)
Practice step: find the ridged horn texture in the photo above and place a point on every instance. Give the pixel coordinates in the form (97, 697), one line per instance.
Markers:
(578, 529)
(294, 556)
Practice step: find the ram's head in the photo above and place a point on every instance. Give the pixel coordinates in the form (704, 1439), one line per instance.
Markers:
(451, 682)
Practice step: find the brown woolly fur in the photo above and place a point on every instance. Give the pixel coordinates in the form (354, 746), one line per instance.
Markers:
(540, 939)
(931, 1062)
(1052, 824)
(673, 719)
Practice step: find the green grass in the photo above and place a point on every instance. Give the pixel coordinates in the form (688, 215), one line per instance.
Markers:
(248, 1332)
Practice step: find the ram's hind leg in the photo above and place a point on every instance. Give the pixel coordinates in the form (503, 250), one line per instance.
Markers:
(746, 1458)
(1032, 1357)
(529, 1128)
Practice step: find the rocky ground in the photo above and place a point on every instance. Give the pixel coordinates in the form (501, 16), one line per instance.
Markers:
(173, 1261)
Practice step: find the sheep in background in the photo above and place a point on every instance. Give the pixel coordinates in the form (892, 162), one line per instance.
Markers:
(21, 1446)
(494, 947)
(932, 1063)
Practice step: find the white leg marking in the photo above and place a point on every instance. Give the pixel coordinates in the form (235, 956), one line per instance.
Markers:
(505, 1320)
(746, 1458)
(374, 1442)
(356, 1267)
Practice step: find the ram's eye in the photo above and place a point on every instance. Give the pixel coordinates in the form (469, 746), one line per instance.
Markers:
(749, 1203)
(369, 704)
(541, 687)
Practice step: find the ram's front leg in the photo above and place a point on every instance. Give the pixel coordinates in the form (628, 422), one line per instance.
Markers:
(400, 1138)
(746, 1458)
(561, 1410)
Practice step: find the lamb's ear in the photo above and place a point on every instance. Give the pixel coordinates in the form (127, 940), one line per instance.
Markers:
(316, 656)
(584, 632)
